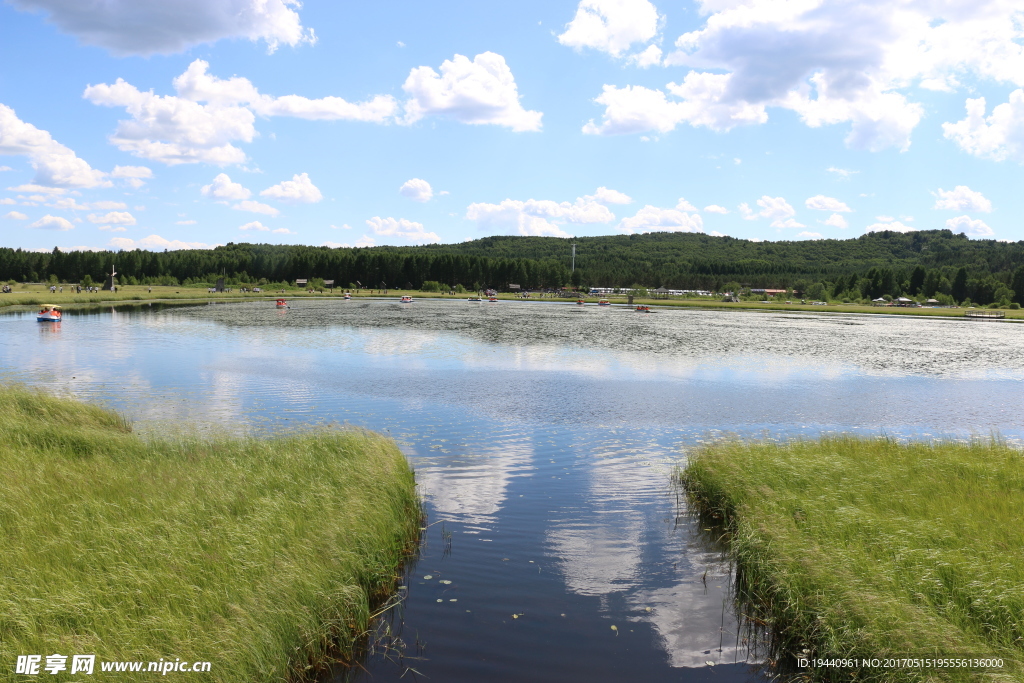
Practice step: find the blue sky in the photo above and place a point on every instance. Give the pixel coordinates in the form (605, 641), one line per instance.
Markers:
(142, 123)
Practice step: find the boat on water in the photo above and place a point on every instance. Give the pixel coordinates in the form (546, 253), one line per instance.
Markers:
(406, 300)
(49, 314)
(604, 302)
(580, 302)
(492, 299)
(643, 309)
(347, 296)
(476, 299)
(281, 303)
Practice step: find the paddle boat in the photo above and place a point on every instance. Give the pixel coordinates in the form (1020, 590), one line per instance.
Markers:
(476, 299)
(282, 303)
(492, 299)
(406, 299)
(49, 314)
(604, 302)
(643, 309)
(347, 296)
(580, 302)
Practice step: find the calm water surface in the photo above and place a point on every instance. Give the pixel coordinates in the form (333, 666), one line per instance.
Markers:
(543, 437)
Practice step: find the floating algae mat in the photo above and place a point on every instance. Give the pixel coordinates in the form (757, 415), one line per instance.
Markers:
(868, 549)
(247, 559)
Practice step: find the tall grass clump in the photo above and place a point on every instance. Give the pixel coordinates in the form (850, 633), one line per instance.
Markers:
(260, 556)
(849, 547)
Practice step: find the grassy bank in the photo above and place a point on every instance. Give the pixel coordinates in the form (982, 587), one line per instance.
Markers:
(868, 548)
(254, 555)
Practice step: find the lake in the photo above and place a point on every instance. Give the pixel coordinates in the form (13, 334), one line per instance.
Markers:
(544, 437)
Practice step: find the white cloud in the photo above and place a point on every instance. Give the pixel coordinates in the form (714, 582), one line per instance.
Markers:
(343, 226)
(822, 203)
(836, 221)
(884, 219)
(188, 222)
(147, 27)
(134, 176)
(255, 225)
(15, 216)
(56, 166)
(611, 26)
(111, 228)
(479, 92)
(701, 101)
(5, 168)
(604, 195)
(174, 130)
(256, 207)
(971, 227)
(543, 216)
(809, 235)
(103, 205)
(363, 241)
(683, 205)
(32, 187)
(300, 189)
(156, 242)
(776, 208)
(893, 226)
(652, 219)
(113, 218)
(197, 85)
(648, 58)
(49, 222)
(7, 200)
(406, 229)
(715, 208)
(843, 173)
(224, 189)
(998, 137)
(416, 189)
(283, 231)
(962, 198)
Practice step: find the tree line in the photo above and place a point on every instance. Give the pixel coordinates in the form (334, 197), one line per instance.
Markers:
(936, 263)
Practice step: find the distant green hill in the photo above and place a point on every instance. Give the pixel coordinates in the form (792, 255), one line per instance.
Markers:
(930, 262)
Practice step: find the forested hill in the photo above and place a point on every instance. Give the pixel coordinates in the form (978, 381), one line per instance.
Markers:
(870, 265)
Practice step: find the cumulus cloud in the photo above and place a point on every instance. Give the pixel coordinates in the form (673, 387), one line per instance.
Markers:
(134, 176)
(700, 100)
(544, 216)
(892, 226)
(224, 189)
(180, 129)
(283, 231)
(648, 58)
(805, 235)
(156, 242)
(198, 85)
(186, 222)
(255, 207)
(5, 168)
(611, 26)
(15, 216)
(604, 195)
(775, 208)
(653, 219)
(146, 27)
(255, 225)
(683, 205)
(822, 203)
(363, 241)
(416, 189)
(49, 222)
(836, 221)
(405, 229)
(999, 136)
(837, 62)
(962, 198)
(843, 173)
(971, 227)
(113, 228)
(300, 190)
(482, 91)
(113, 218)
(715, 208)
(56, 166)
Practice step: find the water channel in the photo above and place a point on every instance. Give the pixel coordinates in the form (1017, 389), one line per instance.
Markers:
(544, 437)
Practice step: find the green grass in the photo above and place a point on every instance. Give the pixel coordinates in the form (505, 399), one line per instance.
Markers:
(261, 556)
(859, 547)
